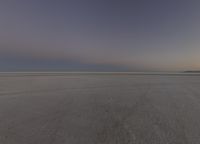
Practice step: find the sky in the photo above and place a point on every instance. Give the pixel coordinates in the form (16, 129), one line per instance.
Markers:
(99, 35)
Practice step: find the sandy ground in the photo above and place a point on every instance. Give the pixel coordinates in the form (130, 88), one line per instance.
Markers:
(100, 109)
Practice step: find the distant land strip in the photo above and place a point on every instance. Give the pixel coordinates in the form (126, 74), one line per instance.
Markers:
(17, 74)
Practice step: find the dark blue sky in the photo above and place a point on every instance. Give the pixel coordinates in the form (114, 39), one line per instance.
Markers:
(99, 35)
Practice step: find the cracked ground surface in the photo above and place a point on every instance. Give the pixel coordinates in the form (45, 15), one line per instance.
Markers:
(99, 109)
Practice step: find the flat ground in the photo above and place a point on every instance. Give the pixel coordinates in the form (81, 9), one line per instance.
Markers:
(99, 109)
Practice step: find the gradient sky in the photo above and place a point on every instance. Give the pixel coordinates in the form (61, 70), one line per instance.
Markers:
(99, 35)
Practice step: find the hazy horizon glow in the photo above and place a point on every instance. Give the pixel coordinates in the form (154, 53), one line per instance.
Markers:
(99, 35)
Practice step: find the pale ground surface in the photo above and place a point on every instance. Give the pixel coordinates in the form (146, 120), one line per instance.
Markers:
(100, 109)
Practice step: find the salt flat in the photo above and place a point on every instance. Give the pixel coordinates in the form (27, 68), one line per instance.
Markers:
(99, 109)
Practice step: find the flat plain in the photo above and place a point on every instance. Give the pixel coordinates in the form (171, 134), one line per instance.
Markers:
(99, 109)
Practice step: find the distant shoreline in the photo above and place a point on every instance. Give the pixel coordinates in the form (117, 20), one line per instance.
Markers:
(186, 73)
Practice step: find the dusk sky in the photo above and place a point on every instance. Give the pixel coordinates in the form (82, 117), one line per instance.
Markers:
(99, 35)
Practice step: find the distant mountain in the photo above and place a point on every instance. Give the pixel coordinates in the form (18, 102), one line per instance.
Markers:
(194, 71)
